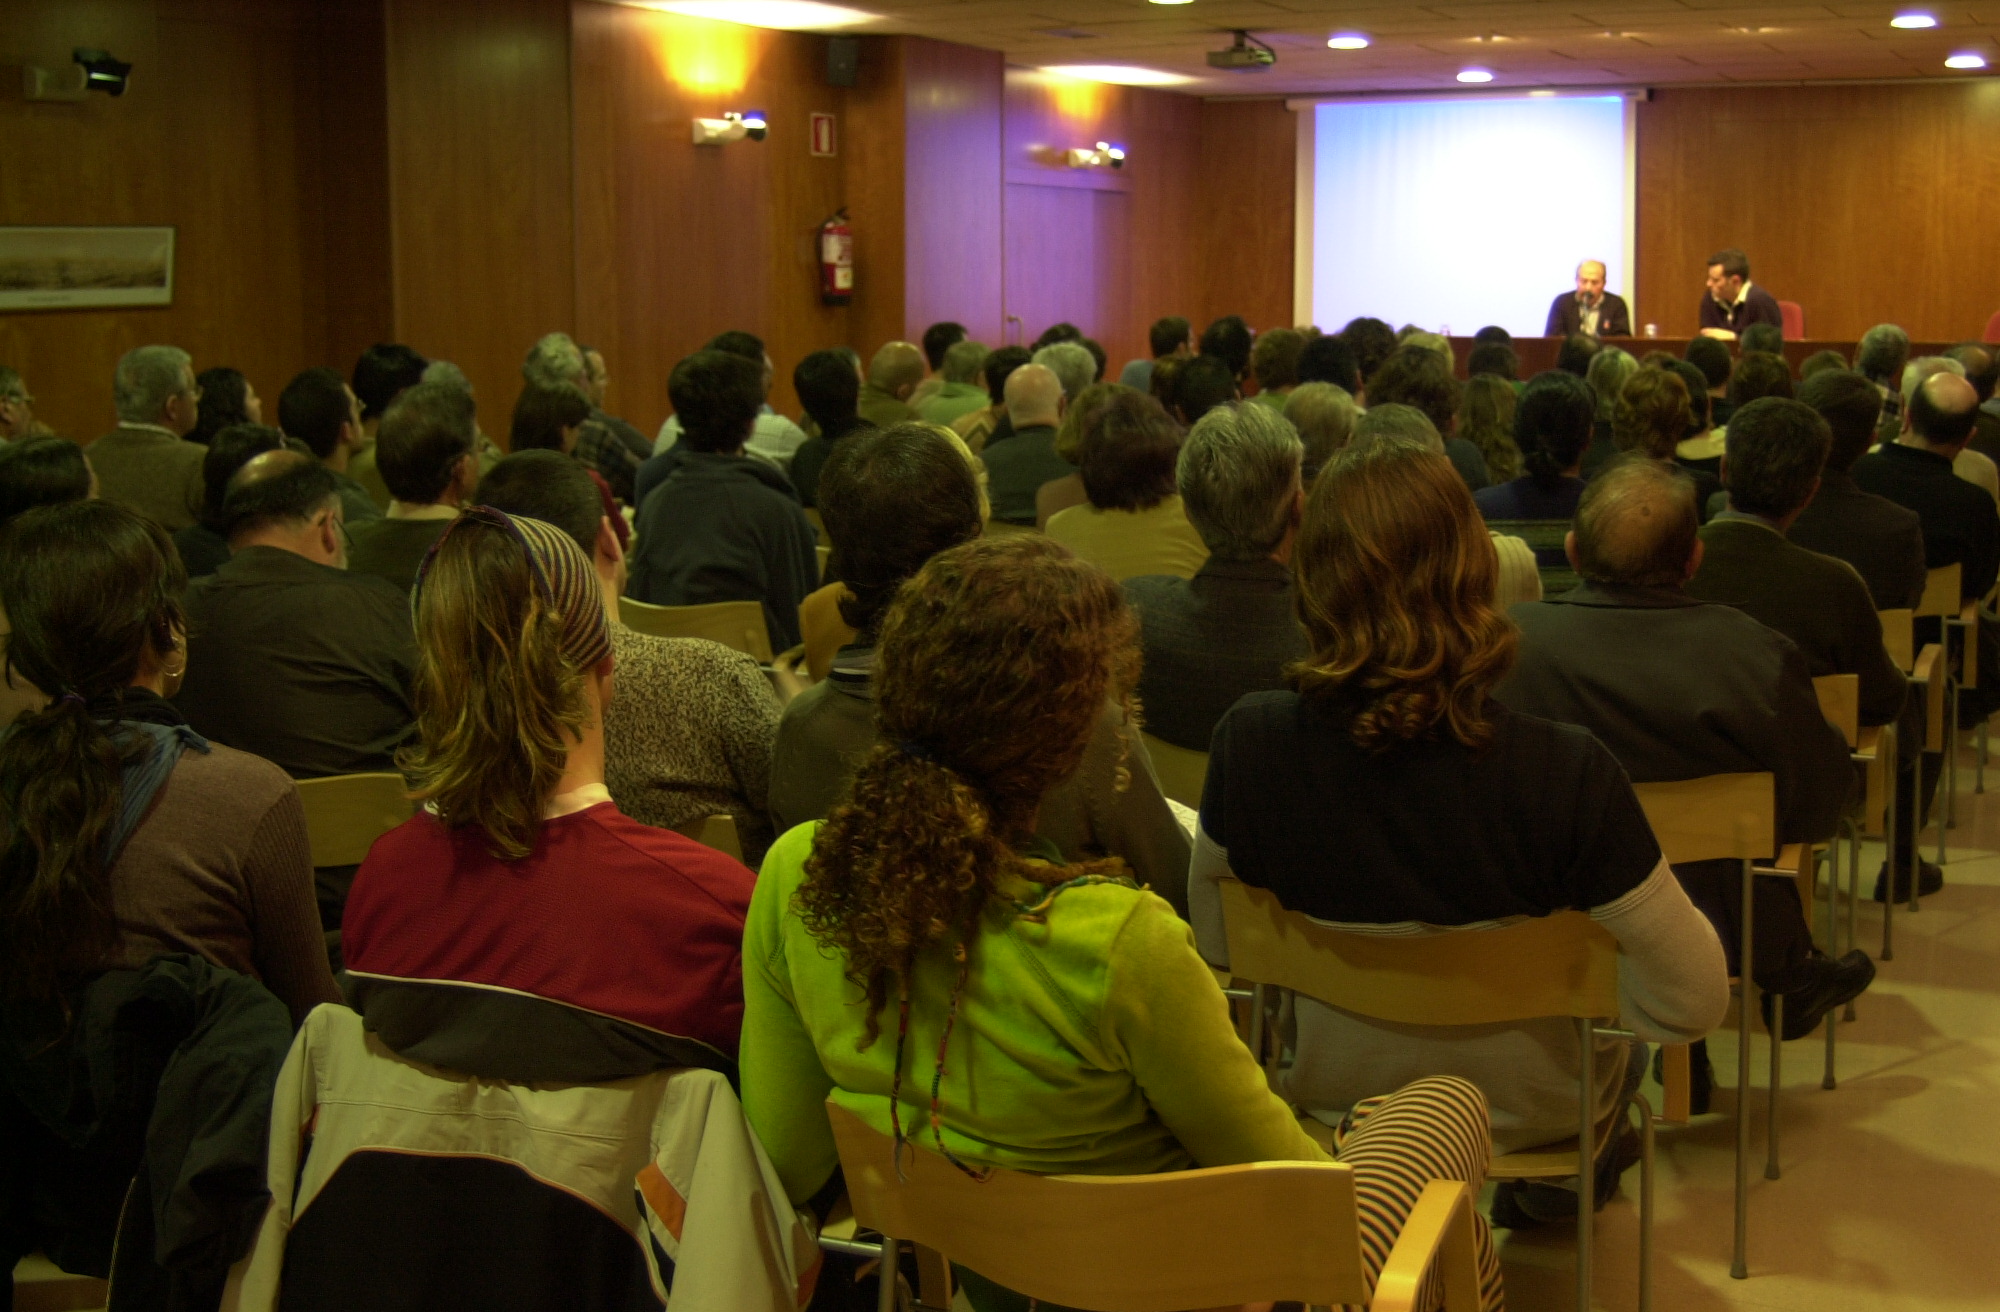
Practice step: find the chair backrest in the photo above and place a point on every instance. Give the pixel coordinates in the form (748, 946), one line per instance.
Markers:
(1992, 335)
(1717, 817)
(1898, 635)
(346, 813)
(1540, 534)
(825, 554)
(737, 624)
(1794, 316)
(1136, 1243)
(1941, 589)
(1840, 702)
(1559, 965)
(1182, 772)
(819, 525)
(716, 831)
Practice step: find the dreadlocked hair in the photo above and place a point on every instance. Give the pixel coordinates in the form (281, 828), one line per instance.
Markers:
(991, 668)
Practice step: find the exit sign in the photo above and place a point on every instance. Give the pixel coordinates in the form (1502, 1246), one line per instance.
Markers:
(822, 135)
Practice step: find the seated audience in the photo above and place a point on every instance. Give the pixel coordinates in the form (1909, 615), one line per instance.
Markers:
(1552, 424)
(893, 376)
(42, 471)
(1713, 359)
(608, 445)
(551, 419)
(1879, 357)
(1576, 352)
(319, 410)
(982, 427)
(1656, 412)
(1610, 369)
(1371, 340)
(893, 500)
(938, 339)
(1681, 689)
(1763, 338)
(443, 373)
(1229, 340)
(1073, 365)
(1758, 374)
(1324, 415)
(144, 464)
(519, 927)
(1079, 417)
(829, 390)
(1018, 466)
(1231, 629)
(1133, 523)
(1061, 1023)
(1959, 522)
(226, 399)
(1883, 541)
(424, 450)
(380, 375)
(1329, 359)
(725, 526)
(1058, 332)
(204, 546)
(1969, 464)
(774, 438)
(290, 656)
(1981, 363)
(1820, 361)
(1330, 794)
(689, 734)
(17, 409)
(1486, 419)
(1415, 375)
(958, 392)
(1496, 359)
(1198, 386)
(127, 835)
(1274, 363)
(1169, 337)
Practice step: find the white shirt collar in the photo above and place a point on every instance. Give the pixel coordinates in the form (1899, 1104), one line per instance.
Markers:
(148, 428)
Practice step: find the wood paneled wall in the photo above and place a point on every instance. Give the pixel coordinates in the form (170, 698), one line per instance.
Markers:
(1248, 171)
(951, 167)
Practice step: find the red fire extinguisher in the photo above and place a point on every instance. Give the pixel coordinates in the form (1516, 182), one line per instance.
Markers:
(836, 260)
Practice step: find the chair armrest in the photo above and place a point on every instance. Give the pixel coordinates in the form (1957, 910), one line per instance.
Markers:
(1968, 662)
(1438, 1230)
(1867, 743)
(1927, 673)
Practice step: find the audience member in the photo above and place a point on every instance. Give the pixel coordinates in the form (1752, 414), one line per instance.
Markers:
(1968, 464)
(1681, 689)
(1819, 361)
(1758, 374)
(443, 373)
(1329, 359)
(958, 392)
(1231, 629)
(1081, 416)
(1883, 541)
(1879, 357)
(425, 452)
(519, 927)
(319, 410)
(689, 733)
(1417, 376)
(1764, 338)
(226, 398)
(1716, 364)
(1610, 369)
(1576, 352)
(1099, 360)
(938, 339)
(1486, 419)
(1371, 340)
(1019, 466)
(380, 375)
(983, 427)
(1733, 303)
(1274, 363)
(1168, 337)
(1329, 795)
(1198, 386)
(610, 446)
(725, 526)
(1133, 522)
(1324, 415)
(42, 471)
(1058, 332)
(773, 438)
(204, 546)
(1495, 358)
(1072, 365)
(144, 463)
(923, 897)
(551, 419)
(17, 409)
(127, 835)
(893, 376)
(829, 391)
(1657, 410)
(1982, 369)
(1229, 340)
(1552, 424)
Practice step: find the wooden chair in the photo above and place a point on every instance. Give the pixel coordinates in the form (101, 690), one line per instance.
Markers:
(819, 526)
(1182, 772)
(1729, 817)
(1154, 1243)
(1899, 637)
(1942, 601)
(346, 813)
(1929, 675)
(825, 554)
(1561, 965)
(1873, 748)
(736, 624)
(716, 831)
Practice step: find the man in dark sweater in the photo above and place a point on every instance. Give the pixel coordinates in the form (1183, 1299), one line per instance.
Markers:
(828, 389)
(1732, 302)
(724, 526)
(1017, 467)
(1882, 540)
(425, 454)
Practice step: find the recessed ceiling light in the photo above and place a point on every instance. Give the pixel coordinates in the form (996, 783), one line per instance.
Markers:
(1544, 91)
(1347, 41)
(1967, 60)
(1129, 75)
(785, 15)
(1474, 75)
(1913, 19)
(1173, 2)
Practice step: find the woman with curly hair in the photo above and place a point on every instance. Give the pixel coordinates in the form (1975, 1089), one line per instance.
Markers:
(1388, 793)
(920, 958)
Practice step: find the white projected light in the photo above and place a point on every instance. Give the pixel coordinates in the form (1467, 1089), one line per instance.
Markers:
(1348, 41)
(1420, 214)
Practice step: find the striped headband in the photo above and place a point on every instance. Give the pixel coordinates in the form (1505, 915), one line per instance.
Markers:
(563, 574)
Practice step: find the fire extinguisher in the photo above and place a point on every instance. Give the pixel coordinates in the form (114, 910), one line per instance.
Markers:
(836, 260)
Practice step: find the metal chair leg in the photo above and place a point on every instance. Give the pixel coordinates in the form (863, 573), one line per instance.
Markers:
(1586, 1159)
(1645, 1204)
(1826, 1080)
(1777, 1083)
(1979, 766)
(1739, 1266)
(886, 1275)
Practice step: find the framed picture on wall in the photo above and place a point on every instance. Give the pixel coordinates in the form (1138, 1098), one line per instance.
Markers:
(81, 268)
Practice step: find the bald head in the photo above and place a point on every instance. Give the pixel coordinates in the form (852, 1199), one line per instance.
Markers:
(1636, 525)
(268, 465)
(1590, 281)
(897, 369)
(1942, 412)
(1034, 396)
(288, 500)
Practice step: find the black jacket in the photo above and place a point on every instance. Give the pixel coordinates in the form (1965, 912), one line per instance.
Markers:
(1209, 640)
(1566, 317)
(1757, 307)
(1960, 524)
(1882, 540)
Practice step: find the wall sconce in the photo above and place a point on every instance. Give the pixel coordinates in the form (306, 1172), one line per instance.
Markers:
(96, 70)
(1105, 156)
(732, 126)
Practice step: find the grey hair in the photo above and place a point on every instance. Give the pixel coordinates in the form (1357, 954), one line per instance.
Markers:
(1394, 420)
(147, 378)
(1927, 366)
(1636, 524)
(554, 360)
(11, 383)
(1324, 415)
(1238, 472)
(962, 361)
(1883, 351)
(1074, 366)
(447, 373)
(1610, 369)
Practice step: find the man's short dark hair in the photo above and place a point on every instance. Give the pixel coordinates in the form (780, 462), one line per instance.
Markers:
(1274, 358)
(828, 389)
(1228, 340)
(228, 451)
(1553, 421)
(1329, 359)
(1058, 332)
(1819, 360)
(717, 395)
(998, 365)
(1936, 425)
(1129, 452)
(542, 413)
(1711, 357)
(382, 372)
(1735, 264)
(1493, 332)
(737, 342)
(423, 437)
(1417, 376)
(1759, 374)
(1763, 337)
(1636, 524)
(1851, 407)
(1573, 356)
(1097, 354)
(890, 500)
(1371, 340)
(939, 338)
(1496, 358)
(291, 496)
(1982, 366)
(549, 486)
(1777, 448)
(1200, 385)
(1699, 408)
(1167, 335)
(313, 407)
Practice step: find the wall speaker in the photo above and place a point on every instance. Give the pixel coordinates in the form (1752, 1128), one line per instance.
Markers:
(843, 60)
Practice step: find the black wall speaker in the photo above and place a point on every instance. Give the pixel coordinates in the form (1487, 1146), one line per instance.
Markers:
(843, 58)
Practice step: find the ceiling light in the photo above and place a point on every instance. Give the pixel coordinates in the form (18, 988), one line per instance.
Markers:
(1541, 92)
(1347, 41)
(1474, 75)
(786, 15)
(1129, 75)
(1967, 60)
(1173, 2)
(1913, 20)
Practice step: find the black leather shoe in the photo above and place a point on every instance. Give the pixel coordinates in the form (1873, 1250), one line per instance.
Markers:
(1832, 984)
(1929, 880)
(1701, 1076)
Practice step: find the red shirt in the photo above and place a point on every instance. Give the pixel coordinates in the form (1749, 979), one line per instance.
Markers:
(604, 914)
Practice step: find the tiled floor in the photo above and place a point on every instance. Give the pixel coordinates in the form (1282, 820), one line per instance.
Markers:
(1890, 1197)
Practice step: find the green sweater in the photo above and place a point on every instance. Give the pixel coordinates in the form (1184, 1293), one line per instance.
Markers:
(1090, 1039)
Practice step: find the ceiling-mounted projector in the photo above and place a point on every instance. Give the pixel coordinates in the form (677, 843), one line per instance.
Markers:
(1246, 54)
